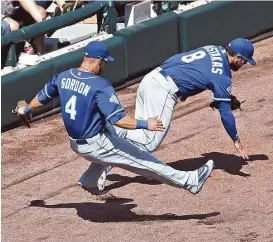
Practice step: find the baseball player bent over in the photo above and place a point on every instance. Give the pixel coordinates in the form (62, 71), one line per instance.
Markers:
(90, 108)
(184, 75)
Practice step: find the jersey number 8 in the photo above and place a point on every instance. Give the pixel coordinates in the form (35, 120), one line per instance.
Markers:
(70, 107)
(194, 56)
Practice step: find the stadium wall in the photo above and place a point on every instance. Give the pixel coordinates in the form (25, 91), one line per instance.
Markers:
(140, 48)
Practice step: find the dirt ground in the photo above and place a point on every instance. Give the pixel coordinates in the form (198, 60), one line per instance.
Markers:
(236, 203)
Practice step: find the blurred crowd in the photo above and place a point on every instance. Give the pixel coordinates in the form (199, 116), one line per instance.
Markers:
(161, 7)
(16, 14)
(20, 13)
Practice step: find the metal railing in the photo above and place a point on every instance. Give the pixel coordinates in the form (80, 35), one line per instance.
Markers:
(34, 30)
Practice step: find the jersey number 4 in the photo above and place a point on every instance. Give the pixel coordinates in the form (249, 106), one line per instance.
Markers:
(194, 56)
(70, 107)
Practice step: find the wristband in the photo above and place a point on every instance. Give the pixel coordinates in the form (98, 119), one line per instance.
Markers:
(27, 110)
(142, 124)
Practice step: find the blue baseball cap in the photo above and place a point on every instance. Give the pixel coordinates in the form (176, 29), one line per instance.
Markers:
(97, 50)
(244, 48)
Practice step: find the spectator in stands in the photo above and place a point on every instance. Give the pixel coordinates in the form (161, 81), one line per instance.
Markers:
(161, 7)
(7, 24)
(16, 13)
(157, 7)
(104, 18)
(45, 4)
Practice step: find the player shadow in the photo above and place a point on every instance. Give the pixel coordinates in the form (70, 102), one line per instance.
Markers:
(119, 211)
(121, 181)
(229, 163)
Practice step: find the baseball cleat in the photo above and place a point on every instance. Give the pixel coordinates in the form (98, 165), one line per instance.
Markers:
(98, 195)
(92, 190)
(102, 179)
(203, 174)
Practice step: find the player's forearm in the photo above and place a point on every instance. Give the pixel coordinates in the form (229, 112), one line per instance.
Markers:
(228, 121)
(129, 122)
(35, 105)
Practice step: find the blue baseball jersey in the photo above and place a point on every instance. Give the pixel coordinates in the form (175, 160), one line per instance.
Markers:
(87, 102)
(201, 69)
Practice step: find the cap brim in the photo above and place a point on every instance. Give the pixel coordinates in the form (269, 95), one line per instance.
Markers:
(251, 61)
(109, 58)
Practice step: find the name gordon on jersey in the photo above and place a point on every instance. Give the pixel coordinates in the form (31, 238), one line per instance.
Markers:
(216, 59)
(75, 85)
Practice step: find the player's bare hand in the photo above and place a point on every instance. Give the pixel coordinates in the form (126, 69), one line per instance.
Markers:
(155, 124)
(238, 145)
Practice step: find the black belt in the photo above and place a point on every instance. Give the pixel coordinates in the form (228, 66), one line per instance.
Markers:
(84, 141)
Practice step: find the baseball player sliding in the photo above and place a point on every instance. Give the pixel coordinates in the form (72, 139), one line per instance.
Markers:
(90, 108)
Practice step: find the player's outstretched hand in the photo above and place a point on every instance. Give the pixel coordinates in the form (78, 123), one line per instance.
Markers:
(238, 145)
(155, 124)
(23, 111)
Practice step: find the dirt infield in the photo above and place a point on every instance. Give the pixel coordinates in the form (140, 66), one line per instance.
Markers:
(236, 203)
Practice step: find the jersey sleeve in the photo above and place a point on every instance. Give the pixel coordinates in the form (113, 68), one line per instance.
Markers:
(49, 91)
(110, 105)
(228, 119)
(221, 88)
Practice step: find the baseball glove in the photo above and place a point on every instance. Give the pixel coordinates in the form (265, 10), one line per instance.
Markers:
(235, 104)
(20, 110)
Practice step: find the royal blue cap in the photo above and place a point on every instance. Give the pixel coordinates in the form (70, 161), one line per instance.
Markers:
(244, 48)
(97, 50)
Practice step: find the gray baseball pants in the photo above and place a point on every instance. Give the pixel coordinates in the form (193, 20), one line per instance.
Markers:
(156, 97)
(107, 149)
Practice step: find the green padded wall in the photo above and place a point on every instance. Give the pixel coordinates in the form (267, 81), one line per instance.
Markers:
(149, 43)
(265, 15)
(217, 23)
(22, 84)
(66, 61)
(115, 71)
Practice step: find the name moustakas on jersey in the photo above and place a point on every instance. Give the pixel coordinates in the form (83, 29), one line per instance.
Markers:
(216, 59)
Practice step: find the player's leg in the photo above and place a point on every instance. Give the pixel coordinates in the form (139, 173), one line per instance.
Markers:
(114, 151)
(95, 176)
(139, 108)
(139, 114)
(155, 98)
